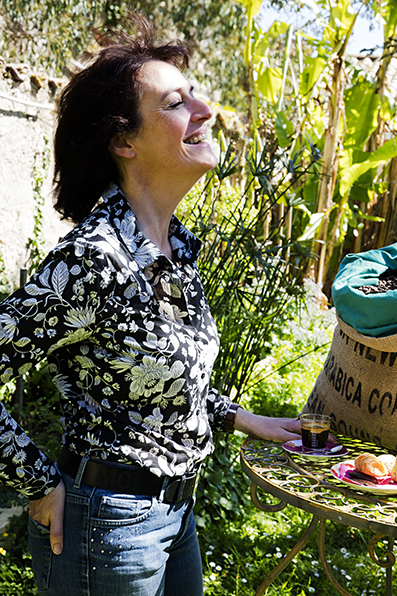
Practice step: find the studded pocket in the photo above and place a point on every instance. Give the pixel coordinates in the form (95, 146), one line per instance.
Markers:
(120, 511)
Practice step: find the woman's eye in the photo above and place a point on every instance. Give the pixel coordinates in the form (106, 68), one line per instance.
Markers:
(176, 104)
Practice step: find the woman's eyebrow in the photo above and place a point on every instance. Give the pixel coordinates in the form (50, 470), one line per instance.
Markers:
(167, 93)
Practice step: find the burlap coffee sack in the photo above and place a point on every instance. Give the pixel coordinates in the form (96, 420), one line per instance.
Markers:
(357, 386)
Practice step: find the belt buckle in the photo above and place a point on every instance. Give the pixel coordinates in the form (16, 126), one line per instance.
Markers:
(179, 493)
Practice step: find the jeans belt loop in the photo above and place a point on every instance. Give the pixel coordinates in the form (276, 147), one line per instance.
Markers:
(161, 497)
(181, 488)
(80, 472)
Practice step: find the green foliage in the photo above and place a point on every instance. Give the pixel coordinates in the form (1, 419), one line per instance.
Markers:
(41, 411)
(296, 355)
(15, 562)
(5, 286)
(250, 269)
(300, 81)
(35, 244)
(53, 33)
(223, 491)
(48, 34)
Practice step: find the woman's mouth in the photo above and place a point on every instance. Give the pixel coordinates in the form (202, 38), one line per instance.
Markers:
(195, 139)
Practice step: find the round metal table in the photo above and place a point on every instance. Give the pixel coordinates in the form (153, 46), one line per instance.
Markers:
(310, 486)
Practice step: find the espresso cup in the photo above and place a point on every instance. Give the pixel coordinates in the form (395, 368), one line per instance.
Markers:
(315, 430)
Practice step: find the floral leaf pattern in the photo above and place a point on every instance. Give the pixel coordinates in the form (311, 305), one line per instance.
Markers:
(130, 344)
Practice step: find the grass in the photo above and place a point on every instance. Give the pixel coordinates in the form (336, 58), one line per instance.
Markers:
(238, 558)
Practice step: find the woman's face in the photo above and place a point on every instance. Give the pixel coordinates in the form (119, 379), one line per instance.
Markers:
(172, 138)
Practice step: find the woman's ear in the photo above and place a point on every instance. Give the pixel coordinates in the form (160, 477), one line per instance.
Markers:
(122, 146)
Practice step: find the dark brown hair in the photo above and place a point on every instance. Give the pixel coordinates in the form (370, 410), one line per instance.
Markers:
(99, 102)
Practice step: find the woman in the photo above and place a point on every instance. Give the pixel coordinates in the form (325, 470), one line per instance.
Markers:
(118, 310)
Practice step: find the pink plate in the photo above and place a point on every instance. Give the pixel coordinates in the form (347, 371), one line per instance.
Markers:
(295, 446)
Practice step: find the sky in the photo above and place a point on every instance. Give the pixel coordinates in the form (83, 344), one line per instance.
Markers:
(364, 36)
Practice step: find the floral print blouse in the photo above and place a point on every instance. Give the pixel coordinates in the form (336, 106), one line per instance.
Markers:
(130, 343)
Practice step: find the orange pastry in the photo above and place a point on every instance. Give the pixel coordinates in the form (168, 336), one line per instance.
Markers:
(389, 461)
(371, 465)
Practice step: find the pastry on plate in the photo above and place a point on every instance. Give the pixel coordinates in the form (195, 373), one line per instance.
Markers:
(367, 463)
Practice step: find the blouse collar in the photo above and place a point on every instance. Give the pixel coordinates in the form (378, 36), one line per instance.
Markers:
(186, 246)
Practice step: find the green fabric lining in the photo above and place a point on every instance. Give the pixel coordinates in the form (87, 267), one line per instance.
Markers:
(370, 314)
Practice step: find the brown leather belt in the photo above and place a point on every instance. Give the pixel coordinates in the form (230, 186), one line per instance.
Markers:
(126, 479)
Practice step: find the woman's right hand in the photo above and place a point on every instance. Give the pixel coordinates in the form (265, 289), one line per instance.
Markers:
(48, 511)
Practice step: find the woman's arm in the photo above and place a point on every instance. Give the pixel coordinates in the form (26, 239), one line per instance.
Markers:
(273, 429)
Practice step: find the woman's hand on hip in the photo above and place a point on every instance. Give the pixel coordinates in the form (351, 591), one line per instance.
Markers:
(48, 511)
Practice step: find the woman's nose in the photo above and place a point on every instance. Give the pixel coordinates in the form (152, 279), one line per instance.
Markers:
(202, 111)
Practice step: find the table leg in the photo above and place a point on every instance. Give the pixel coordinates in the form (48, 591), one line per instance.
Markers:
(387, 562)
(323, 558)
(264, 506)
(288, 558)
(389, 570)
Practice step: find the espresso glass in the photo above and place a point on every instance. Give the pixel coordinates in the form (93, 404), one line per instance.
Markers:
(315, 430)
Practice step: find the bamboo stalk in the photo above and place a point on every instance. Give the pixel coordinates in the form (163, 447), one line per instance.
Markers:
(390, 235)
(328, 170)
(376, 140)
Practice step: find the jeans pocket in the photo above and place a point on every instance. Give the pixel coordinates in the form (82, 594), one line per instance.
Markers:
(40, 549)
(123, 510)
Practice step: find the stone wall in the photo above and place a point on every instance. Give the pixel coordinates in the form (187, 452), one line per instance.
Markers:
(27, 103)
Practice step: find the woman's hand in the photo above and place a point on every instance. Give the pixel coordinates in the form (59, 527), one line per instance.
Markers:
(272, 429)
(48, 511)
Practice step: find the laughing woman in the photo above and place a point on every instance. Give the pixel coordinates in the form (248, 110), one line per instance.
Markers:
(118, 310)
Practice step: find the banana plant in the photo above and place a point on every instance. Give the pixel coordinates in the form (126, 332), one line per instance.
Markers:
(320, 101)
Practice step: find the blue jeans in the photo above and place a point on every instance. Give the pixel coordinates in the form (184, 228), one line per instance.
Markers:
(123, 545)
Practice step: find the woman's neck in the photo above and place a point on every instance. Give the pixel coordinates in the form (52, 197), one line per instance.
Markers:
(154, 215)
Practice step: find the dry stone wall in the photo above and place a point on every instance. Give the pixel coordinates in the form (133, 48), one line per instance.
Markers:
(27, 102)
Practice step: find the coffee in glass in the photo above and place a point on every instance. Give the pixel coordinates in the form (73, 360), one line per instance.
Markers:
(315, 430)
